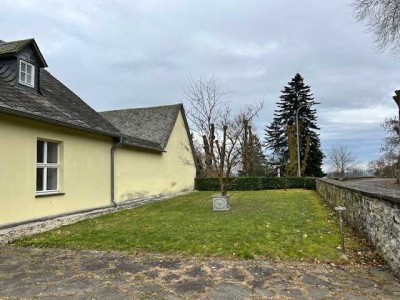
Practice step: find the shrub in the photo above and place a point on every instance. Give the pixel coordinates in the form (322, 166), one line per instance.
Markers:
(256, 183)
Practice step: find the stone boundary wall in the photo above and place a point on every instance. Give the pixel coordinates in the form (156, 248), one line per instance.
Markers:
(375, 215)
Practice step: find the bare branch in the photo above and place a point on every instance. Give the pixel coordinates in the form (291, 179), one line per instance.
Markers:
(341, 159)
(382, 18)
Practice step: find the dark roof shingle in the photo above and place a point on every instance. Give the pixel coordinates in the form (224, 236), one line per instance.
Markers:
(56, 104)
(12, 48)
(146, 128)
(153, 124)
(140, 143)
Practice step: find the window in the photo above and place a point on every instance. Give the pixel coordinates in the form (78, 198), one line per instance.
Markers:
(47, 167)
(26, 73)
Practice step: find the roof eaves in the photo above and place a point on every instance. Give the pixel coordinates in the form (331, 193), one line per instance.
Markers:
(130, 145)
(41, 57)
(127, 141)
(56, 122)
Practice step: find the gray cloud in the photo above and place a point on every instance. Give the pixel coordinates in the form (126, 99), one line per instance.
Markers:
(118, 54)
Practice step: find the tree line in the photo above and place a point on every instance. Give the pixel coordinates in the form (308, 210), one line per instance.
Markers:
(226, 141)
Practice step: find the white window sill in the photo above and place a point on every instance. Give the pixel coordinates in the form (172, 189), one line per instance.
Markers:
(27, 84)
(48, 194)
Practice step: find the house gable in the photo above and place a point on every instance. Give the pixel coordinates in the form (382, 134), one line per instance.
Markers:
(142, 173)
(152, 124)
(151, 127)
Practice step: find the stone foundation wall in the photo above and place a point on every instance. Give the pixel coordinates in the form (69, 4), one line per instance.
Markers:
(375, 215)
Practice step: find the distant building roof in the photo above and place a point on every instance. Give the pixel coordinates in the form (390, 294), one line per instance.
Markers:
(153, 124)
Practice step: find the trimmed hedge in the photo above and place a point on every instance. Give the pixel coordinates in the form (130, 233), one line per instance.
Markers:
(256, 183)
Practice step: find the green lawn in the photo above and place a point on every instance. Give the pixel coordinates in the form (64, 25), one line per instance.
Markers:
(275, 224)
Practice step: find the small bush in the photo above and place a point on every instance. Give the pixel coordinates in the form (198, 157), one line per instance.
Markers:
(256, 183)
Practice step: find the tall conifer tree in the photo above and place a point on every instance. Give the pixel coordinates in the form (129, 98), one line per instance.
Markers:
(296, 93)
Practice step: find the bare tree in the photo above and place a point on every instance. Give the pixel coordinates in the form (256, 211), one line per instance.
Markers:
(382, 18)
(226, 158)
(378, 166)
(208, 113)
(205, 103)
(391, 141)
(341, 159)
(385, 166)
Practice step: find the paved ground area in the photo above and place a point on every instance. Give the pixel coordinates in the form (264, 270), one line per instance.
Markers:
(27, 273)
(389, 183)
(376, 185)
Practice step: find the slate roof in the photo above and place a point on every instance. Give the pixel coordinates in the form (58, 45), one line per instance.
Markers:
(153, 124)
(56, 104)
(12, 48)
(146, 128)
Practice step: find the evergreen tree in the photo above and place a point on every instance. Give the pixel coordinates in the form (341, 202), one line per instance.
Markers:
(259, 166)
(295, 94)
(254, 161)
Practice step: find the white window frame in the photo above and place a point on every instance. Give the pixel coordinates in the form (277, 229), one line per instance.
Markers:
(45, 166)
(32, 83)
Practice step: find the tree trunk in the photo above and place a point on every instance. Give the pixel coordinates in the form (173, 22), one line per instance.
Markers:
(306, 154)
(398, 171)
(221, 172)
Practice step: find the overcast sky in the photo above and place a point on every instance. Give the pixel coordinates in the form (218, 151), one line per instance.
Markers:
(124, 54)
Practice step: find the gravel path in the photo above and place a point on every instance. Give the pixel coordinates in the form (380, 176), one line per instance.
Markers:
(28, 273)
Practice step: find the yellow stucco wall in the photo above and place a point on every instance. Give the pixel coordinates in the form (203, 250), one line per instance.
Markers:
(140, 173)
(85, 170)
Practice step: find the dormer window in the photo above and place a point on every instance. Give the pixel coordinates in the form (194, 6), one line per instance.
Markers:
(26, 73)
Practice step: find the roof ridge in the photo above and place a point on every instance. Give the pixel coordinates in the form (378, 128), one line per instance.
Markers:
(16, 41)
(138, 108)
(24, 41)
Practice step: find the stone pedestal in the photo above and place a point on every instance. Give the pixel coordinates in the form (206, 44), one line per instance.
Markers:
(221, 203)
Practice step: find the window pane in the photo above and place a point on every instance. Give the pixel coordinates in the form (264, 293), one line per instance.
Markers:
(39, 179)
(52, 152)
(51, 178)
(23, 77)
(40, 152)
(23, 67)
(28, 69)
(28, 78)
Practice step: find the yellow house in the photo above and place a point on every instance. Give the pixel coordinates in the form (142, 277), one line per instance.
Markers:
(58, 156)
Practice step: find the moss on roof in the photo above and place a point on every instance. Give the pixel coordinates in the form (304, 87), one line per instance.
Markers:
(14, 46)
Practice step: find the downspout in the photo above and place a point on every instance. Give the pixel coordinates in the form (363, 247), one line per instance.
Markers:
(113, 148)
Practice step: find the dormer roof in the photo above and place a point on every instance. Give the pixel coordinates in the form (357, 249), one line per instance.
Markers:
(10, 49)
